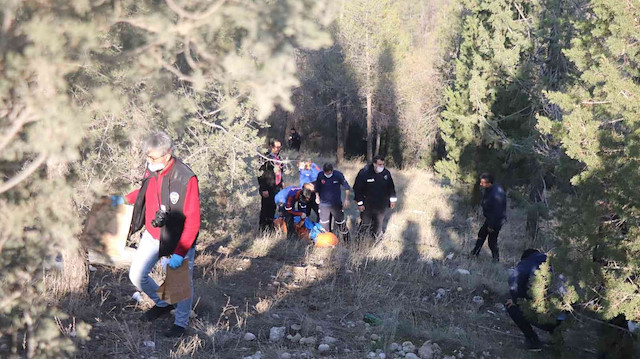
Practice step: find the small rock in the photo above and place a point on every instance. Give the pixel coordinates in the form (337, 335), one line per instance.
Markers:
(441, 291)
(459, 289)
(450, 256)
(499, 306)
(371, 355)
(296, 327)
(308, 341)
(462, 271)
(382, 355)
(395, 347)
(477, 300)
(322, 348)
(149, 344)
(408, 347)
(375, 337)
(285, 356)
(249, 337)
(318, 328)
(92, 268)
(275, 316)
(411, 356)
(329, 340)
(276, 334)
(429, 350)
(485, 292)
(295, 338)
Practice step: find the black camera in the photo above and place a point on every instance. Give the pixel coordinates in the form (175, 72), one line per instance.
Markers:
(161, 217)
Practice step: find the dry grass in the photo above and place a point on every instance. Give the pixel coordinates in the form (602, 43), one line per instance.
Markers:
(247, 281)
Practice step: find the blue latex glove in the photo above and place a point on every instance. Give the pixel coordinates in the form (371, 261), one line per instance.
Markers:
(175, 261)
(116, 200)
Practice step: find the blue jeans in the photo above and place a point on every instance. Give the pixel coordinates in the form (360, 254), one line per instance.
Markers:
(143, 262)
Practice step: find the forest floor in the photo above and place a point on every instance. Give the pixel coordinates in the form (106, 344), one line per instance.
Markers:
(248, 283)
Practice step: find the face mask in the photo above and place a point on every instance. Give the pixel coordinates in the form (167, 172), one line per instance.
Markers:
(379, 169)
(328, 175)
(155, 167)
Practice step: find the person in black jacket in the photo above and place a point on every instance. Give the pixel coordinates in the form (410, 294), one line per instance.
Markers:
(519, 283)
(374, 193)
(295, 140)
(494, 209)
(270, 182)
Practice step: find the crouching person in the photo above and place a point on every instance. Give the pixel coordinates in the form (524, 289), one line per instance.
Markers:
(168, 206)
(520, 280)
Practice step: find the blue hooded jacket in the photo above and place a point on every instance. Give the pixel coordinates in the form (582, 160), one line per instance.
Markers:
(520, 276)
(310, 175)
(494, 206)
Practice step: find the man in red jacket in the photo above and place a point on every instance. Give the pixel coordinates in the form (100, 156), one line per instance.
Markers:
(168, 206)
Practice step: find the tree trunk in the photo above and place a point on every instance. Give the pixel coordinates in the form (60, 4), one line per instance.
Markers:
(369, 127)
(339, 132)
(377, 151)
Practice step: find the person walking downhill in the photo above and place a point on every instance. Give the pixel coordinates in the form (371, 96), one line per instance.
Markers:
(374, 194)
(168, 206)
(270, 182)
(520, 279)
(328, 186)
(494, 209)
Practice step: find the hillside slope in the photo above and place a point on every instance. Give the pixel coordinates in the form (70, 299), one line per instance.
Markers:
(249, 283)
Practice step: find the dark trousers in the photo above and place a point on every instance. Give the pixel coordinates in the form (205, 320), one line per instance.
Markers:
(313, 206)
(371, 220)
(493, 241)
(327, 212)
(516, 314)
(268, 209)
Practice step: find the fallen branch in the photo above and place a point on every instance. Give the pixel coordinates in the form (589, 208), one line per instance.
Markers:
(32, 167)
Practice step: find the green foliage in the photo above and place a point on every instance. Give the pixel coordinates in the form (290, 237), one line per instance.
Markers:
(486, 124)
(600, 129)
(82, 82)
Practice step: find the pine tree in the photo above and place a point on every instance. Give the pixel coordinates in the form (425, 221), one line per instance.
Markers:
(486, 123)
(600, 130)
(81, 82)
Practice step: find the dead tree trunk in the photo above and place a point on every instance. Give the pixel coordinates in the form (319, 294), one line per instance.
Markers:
(339, 132)
(369, 126)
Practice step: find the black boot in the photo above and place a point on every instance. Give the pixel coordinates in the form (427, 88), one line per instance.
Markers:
(175, 331)
(155, 313)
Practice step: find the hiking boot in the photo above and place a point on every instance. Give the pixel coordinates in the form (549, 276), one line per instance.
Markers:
(155, 313)
(175, 331)
(533, 345)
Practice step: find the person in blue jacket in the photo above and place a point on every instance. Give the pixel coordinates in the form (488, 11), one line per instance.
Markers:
(519, 283)
(308, 172)
(494, 209)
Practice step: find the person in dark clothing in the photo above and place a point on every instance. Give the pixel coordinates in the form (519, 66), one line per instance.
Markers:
(494, 209)
(328, 186)
(308, 173)
(374, 193)
(270, 182)
(295, 140)
(519, 283)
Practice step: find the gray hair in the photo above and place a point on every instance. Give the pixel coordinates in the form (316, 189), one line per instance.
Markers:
(160, 141)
